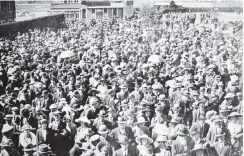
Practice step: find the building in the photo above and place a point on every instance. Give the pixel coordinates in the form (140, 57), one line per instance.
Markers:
(26, 10)
(7, 11)
(93, 9)
(201, 3)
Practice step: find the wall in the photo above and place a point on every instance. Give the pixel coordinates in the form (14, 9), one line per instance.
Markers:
(11, 29)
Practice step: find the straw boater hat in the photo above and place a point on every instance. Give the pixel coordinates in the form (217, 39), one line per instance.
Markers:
(234, 114)
(144, 136)
(121, 120)
(163, 138)
(83, 119)
(53, 106)
(141, 120)
(123, 86)
(224, 109)
(211, 113)
(43, 148)
(8, 117)
(102, 129)
(93, 90)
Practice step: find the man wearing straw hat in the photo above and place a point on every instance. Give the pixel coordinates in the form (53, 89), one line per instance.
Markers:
(43, 150)
(218, 127)
(122, 129)
(140, 127)
(107, 140)
(126, 148)
(201, 126)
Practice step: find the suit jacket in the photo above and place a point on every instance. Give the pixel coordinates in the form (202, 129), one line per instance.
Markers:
(203, 130)
(178, 148)
(72, 131)
(137, 95)
(131, 151)
(213, 131)
(122, 96)
(128, 132)
(222, 151)
(75, 151)
(196, 114)
(40, 137)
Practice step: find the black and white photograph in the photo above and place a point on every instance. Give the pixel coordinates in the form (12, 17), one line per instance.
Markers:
(121, 78)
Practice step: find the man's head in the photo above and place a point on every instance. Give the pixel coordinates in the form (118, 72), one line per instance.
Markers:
(43, 124)
(195, 134)
(121, 122)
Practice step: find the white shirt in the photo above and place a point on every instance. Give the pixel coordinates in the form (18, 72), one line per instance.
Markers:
(44, 134)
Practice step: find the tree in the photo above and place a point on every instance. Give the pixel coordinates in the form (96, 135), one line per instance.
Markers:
(172, 4)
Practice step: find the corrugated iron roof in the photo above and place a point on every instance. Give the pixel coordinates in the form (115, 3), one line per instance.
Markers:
(67, 6)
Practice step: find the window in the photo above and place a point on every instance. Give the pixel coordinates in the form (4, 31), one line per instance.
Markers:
(83, 13)
(114, 12)
(93, 11)
(105, 10)
(1, 7)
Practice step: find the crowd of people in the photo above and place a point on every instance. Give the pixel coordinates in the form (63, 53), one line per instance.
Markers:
(123, 87)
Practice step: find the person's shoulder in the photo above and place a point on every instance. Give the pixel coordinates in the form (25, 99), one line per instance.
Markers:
(119, 151)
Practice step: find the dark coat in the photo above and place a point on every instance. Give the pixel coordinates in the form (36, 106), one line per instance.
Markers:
(115, 133)
(75, 151)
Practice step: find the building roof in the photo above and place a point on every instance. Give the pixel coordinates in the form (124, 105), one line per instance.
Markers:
(67, 6)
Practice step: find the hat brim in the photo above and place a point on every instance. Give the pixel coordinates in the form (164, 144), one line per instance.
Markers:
(174, 122)
(103, 132)
(181, 133)
(193, 150)
(121, 122)
(141, 122)
(225, 110)
(219, 120)
(93, 90)
(231, 116)
(8, 118)
(31, 149)
(220, 135)
(138, 139)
